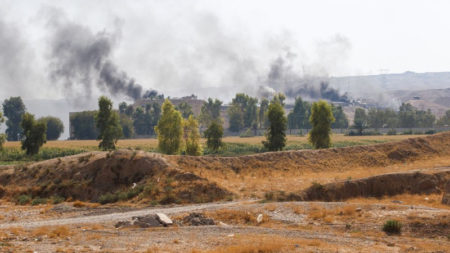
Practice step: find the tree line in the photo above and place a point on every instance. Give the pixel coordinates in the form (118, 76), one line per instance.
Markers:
(22, 126)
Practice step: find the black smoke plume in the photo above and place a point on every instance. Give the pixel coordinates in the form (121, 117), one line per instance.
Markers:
(80, 60)
(282, 77)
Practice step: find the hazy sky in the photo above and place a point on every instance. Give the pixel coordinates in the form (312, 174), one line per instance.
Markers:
(208, 47)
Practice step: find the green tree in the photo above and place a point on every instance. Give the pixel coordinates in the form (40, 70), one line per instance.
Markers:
(298, 117)
(279, 97)
(13, 109)
(341, 120)
(83, 125)
(276, 133)
(210, 112)
(407, 115)
(192, 137)
(444, 120)
(235, 118)
(425, 118)
(107, 121)
(262, 113)
(34, 133)
(185, 109)
(2, 136)
(360, 120)
(243, 107)
(54, 127)
(142, 121)
(169, 129)
(127, 126)
(213, 135)
(321, 119)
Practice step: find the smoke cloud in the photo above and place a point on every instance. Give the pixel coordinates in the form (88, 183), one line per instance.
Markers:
(80, 59)
(294, 77)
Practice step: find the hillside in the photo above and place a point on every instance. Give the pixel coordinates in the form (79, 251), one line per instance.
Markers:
(126, 174)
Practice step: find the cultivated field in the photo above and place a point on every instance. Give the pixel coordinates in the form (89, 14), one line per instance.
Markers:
(332, 200)
(337, 139)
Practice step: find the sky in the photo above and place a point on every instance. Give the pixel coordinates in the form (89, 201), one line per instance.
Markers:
(211, 47)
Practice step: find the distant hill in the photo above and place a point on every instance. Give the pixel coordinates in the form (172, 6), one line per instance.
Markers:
(403, 81)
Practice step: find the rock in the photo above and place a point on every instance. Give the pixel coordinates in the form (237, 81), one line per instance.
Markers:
(223, 224)
(147, 221)
(446, 197)
(397, 201)
(198, 219)
(358, 209)
(164, 219)
(391, 244)
(259, 219)
(122, 224)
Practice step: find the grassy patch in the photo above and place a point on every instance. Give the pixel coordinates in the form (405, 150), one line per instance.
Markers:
(14, 155)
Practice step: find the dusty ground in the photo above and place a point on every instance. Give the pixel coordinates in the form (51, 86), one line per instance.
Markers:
(289, 226)
(351, 226)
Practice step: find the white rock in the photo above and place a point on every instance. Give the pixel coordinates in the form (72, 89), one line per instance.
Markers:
(223, 224)
(164, 219)
(230, 235)
(134, 186)
(259, 218)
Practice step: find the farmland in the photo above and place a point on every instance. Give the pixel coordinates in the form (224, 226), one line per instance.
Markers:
(233, 146)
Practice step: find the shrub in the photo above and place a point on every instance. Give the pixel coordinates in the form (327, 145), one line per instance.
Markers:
(246, 133)
(407, 132)
(23, 199)
(431, 131)
(108, 198)
(392, 132)
(392, 227)
(38, 201)
(57, 199)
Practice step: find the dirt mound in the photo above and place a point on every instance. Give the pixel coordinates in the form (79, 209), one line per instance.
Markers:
(378, 186)
(108, 177)
(334, 159)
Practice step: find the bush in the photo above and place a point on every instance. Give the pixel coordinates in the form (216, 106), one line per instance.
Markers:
(407, 132)
(23, 199)
(431, 131)
(392, 132)
(38, 201)
(392, 227)
(57, 199)
(108, 198)
(247, 133)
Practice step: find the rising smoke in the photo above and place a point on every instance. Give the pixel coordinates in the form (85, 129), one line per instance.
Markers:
(80, 59)
(293, 82)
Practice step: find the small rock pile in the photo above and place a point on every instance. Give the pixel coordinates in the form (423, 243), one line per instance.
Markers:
(152, 220)
(197, 219)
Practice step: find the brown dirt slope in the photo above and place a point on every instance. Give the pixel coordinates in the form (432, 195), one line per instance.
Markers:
(334, 159)
(91, 175)
(378, 186)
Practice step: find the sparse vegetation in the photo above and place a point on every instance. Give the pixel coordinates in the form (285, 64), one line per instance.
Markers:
(392, 227)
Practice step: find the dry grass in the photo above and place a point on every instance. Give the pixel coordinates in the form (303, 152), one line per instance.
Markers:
(431, 200)
(236, 217)
(252, 243)
(52, 232)
(153, 143)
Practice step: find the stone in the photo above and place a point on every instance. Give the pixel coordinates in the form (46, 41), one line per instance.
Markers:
(198, 219)
(147, 221)
(259, 219)
(397, 201)
(358, 209)
(164, 219)
(223, 224)
(122, 224)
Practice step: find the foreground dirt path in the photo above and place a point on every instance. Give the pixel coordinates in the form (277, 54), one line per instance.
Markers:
(120, 215)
